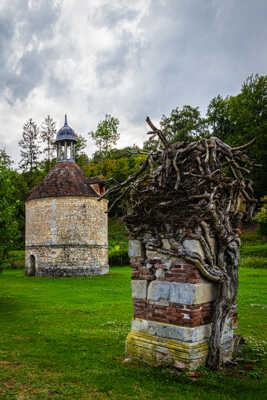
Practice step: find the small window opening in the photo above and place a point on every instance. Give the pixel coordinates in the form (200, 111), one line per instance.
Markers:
(32, 266)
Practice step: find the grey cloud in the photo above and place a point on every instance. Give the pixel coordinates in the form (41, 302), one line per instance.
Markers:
(114, 63)
(181, 52)
(31, 68)
(110, 16)
(21, 27)
(194, 50)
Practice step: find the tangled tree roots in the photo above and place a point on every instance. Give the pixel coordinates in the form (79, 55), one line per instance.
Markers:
(194, 191)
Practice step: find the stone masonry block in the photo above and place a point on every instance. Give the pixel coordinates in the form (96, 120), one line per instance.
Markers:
(185, 334)
(163, 292)
(135, 248)
(139, 289)
(193, 246)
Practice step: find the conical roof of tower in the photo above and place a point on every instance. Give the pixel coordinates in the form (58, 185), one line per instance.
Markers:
(64, 179)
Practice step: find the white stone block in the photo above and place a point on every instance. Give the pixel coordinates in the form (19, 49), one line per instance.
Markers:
(160, 274)
(185, 334)
(182, 293)
(193, 246)
(135, 248)
(139, 289)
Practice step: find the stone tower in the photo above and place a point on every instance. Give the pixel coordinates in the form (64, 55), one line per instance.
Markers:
(66, 225)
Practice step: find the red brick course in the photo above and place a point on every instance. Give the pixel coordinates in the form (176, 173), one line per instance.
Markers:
(176, 314)
(177, 273)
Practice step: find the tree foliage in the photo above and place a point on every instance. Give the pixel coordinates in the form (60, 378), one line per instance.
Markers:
(29, 145)
(48, 136)
(5, 159)
(261, 216)
(106, 135)
(238, 119)
(184, 124)
(9, 204)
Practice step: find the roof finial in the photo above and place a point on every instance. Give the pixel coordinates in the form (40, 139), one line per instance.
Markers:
(66, 122)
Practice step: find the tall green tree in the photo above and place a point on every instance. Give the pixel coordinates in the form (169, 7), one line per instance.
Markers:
(29, 146)
(9, 204)
(238, 119)
(185, 124)
(48, 136)
(219, 117)
(5, 159)
(81, 157)
(106, 135)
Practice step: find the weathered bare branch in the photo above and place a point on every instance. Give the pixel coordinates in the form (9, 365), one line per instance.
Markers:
(194, 191)
(244, 146)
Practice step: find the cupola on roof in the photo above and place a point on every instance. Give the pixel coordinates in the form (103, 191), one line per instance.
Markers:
(66, 133)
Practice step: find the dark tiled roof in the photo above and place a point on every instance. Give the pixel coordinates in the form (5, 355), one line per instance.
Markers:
(97, 179)
(64, 179)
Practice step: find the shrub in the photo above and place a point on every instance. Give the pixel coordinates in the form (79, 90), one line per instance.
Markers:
(261, 217)
(118, 252)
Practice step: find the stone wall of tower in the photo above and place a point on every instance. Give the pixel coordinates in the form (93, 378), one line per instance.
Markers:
(67, 236)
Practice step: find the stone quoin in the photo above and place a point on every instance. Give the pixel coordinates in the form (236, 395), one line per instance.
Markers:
(66, 225)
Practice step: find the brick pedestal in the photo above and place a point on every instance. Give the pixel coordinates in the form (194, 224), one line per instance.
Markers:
(173, 306)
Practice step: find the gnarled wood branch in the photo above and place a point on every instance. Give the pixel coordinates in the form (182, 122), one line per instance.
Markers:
(194, 190)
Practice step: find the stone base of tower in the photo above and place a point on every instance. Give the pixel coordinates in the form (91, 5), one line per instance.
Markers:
(51, 271)
(186, 348)
(68, 261)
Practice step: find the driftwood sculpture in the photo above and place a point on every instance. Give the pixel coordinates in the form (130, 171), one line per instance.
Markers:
(196, 191)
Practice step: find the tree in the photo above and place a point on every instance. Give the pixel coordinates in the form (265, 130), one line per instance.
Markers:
(81, 157)
(29, 145)
(106, 135)
(219, 117)
(116, 167)
(48, 135)
(9, 227)
(185, 124)
(5, 159)
(238, 119)
(80, 145)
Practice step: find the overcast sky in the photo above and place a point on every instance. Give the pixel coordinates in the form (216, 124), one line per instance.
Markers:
(128, 58)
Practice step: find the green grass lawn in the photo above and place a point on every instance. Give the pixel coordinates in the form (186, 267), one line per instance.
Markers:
(65, 338)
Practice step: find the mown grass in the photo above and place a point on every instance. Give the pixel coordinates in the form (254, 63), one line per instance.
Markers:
(65, 338)
(253, 252)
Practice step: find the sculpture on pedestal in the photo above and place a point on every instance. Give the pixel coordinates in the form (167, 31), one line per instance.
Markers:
(184, 211)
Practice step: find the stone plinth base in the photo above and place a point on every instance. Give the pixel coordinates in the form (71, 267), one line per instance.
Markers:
(153, 342)
(52, 271)
(66, 261)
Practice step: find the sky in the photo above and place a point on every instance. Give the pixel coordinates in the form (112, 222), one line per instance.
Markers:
(126, 58)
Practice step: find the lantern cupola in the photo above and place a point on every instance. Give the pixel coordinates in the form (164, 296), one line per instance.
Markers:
(65, 142)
